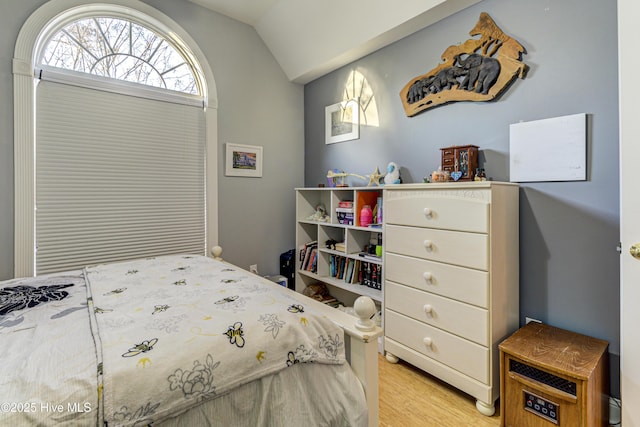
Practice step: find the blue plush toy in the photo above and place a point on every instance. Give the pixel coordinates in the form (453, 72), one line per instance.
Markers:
(393, 174)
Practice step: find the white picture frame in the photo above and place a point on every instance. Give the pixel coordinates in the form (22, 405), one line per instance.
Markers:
(342, 121)
(243, 160)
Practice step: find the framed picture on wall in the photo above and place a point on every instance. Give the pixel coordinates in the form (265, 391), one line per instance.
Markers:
(342, 121)
(243, 160)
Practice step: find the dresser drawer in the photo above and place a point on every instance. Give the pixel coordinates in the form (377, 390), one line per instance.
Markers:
(464, 356)
(460, 283)
(461, 319)
(452, 247)
(437, 211)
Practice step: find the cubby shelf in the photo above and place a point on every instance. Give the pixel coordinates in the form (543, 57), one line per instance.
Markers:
(374, 294)
(354, 238)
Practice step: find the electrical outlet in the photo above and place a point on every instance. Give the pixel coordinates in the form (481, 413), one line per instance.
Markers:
(253, 268)
(530, 319)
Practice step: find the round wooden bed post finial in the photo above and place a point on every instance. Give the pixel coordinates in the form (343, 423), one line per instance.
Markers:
(365, 308)
(216, 251)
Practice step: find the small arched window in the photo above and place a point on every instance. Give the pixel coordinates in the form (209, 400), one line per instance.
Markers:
(120, 49)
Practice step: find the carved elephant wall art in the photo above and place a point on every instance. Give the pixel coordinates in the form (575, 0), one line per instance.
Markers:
(447, 78)
(444, 79)
(482, 72)
(419, 89)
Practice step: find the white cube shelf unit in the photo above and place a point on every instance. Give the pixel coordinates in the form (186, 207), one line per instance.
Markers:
(352, 240)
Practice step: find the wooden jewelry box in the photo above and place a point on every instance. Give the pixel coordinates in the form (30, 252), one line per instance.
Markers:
(462, 159)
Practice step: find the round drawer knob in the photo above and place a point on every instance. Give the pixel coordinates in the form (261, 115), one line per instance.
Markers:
(428, 244)
(427, 342)
(427, 308)
(427, 276)
(427, 212)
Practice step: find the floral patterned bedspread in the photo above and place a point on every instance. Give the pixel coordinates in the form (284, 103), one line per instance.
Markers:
(177, 330)
(147, 339)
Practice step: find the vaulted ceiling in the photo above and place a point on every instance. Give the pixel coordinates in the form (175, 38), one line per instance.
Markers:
(310, 38)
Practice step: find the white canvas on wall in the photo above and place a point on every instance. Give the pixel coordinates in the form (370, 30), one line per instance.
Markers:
(552, 149)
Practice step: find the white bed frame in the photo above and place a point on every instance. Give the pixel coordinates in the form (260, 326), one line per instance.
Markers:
(361, 342)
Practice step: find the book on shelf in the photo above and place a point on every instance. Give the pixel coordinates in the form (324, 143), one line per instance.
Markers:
(334, 304)
(339, 246)
(355, 275)
(306, 252)
(335, 265)
(344, 210)
(332, 266)
(370, 257)
(312, 265)
(349, 274)
(327, 299)
(375, 276)
(371, 275)
(342, 261)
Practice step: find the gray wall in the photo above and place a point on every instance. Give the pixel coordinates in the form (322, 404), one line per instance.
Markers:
(569, 267)
(257, 106)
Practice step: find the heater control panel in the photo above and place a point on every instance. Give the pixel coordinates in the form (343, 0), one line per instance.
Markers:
(540, 406)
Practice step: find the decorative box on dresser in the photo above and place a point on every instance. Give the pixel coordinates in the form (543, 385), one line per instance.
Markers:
(452, 280)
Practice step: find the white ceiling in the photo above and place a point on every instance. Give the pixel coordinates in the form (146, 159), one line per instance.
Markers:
(310, 38)
(247, 11)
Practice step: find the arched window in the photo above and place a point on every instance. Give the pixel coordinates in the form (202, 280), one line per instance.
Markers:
(121, 49)
(115, 146)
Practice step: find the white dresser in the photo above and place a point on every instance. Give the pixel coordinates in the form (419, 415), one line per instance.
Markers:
(451, 280)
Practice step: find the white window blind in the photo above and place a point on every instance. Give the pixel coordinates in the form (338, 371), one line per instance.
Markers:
(117, 177)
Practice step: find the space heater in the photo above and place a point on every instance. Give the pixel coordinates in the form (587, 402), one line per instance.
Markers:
(553, 377)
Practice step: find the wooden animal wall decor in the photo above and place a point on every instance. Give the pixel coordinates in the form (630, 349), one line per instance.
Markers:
(480, 69)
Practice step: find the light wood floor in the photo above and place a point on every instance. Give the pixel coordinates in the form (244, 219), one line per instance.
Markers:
(410, 397)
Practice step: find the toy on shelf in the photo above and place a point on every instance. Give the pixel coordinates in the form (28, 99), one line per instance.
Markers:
(393, 174)
(366, 216)
(440, 175)
(320, 214)
(336, 178)
(375, 177)
(480, 175)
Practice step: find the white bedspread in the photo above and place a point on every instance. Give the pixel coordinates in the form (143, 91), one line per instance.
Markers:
(166, 334)
(47, 357)
(189, 328)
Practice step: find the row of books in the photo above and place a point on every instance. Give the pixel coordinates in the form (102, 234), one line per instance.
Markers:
(309, 257)
(343, 268)
(356, 271)
(371, 275)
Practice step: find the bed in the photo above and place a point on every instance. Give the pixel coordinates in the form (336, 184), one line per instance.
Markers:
(181, 340)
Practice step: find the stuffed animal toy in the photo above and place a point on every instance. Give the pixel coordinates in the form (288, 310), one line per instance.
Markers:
(393, 174)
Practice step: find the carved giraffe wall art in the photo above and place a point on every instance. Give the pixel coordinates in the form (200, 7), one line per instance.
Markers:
(480, 69)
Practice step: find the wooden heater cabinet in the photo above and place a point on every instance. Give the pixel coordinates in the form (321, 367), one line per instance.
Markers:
(550, 376)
